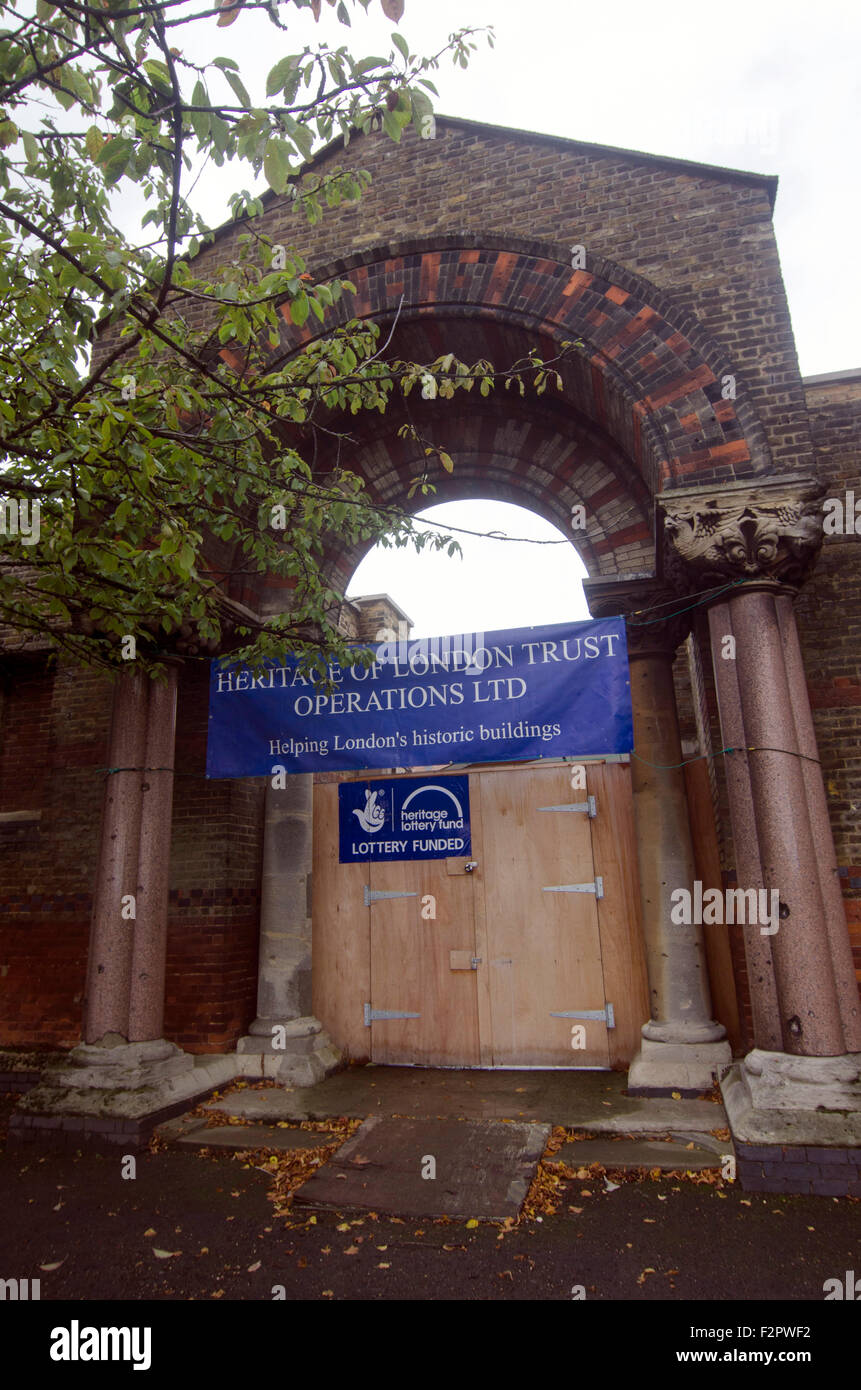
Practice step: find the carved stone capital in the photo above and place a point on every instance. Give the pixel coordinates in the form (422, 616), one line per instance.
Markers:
(767, 531)
(653, 627)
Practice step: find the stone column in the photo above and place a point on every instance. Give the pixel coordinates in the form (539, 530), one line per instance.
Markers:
(683, 1047)
(109, 964)
(288, 1041)
(817, 808)
(146, 1006)
(754, 544)
(748, 866)
(123, 1050)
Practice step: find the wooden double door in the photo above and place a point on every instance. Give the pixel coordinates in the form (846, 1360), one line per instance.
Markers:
(526, 953)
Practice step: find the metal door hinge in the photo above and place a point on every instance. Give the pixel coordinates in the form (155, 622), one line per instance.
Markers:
(604, 1015)
(597, 888)
(375, 896)
(372, 1014)
(588, 806)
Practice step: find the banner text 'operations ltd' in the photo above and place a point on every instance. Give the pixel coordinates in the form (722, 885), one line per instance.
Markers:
(540, 692)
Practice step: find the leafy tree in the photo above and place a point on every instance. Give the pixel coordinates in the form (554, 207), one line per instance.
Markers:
(155, 469)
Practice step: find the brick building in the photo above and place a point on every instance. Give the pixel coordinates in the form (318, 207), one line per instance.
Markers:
(701, 459)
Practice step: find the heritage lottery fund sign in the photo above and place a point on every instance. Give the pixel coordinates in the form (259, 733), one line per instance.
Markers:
(411, 818)
(540, 692)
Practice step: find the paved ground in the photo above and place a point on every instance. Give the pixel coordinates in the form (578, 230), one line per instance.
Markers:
(212, 1220)
(659, 1240)
(430, 1167)
(592, 1100)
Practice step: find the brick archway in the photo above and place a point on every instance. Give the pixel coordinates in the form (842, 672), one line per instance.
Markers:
(647, 372)
(641, 407)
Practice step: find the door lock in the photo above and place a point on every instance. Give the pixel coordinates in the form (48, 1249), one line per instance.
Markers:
(470, 866)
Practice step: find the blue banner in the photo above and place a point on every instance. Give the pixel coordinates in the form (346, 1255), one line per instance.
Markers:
(540, 692)
(407, 818)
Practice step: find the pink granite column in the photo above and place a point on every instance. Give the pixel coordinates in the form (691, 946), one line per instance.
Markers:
(757, 947)
(810, 1015)
(146, 1008)
(817, 807)
(109, 965)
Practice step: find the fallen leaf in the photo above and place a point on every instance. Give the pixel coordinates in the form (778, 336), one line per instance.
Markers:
(327, 1293)
(677, 1095)
(649, 1220)
(577, 1210)
(383, 1266)
(641, 1278)
(219, 1293)
(352, 1250)
(344, 1226)
(611, 1186)
(471, 1224)
(360, 1160)
(382, 1247)
(165, 1254)
(253, 1268)
(150, 1232)
(49, 1269)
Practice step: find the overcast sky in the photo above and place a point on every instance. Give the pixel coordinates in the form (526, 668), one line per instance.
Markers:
(766, 85)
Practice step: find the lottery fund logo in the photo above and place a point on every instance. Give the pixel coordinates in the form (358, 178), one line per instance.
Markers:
(371, 816)
(429, 817)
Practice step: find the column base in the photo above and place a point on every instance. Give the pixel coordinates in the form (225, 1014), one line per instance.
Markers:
(796, 1122)
(296, 1051)
(777, 1098)
(660, 1068)
(113, 1093)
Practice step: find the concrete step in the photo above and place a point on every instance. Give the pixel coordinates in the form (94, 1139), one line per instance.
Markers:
(628, 1154)
(191, 1132)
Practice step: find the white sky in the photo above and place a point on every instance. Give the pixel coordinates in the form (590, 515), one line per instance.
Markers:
(766, 85)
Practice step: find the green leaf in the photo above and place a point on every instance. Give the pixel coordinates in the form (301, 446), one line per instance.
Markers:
(31, 146)
(402, 46)
(114, 157)
(276, 164)
(392, 126)
(159, 73)
(238, 88)
(93, 142)
(280, 75)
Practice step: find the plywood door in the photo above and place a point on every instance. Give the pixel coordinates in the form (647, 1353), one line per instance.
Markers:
(544, 948)
(420, 964)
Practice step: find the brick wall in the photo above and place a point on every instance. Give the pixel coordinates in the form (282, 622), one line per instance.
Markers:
(829, 619)
(55, 741)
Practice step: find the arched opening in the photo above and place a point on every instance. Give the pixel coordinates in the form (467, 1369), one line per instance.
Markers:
(516, 570)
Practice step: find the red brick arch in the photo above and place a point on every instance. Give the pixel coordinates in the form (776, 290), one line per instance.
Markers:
(641, 407)
(647, 372)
